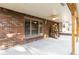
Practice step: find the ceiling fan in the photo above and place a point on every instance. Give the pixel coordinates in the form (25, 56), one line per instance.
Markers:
(63, 4)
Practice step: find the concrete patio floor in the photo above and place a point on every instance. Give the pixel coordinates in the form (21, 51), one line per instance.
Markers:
(49, 46)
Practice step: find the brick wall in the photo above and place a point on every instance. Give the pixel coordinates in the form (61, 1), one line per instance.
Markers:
(11, 28)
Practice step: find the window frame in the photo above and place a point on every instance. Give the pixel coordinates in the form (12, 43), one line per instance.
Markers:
(33, 19)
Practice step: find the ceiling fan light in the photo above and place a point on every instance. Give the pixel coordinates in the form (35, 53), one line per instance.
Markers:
(54, 18)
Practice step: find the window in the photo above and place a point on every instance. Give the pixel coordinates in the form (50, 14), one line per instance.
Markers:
(27, 27)
(33, 27)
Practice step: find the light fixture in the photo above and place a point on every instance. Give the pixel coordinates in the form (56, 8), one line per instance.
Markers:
(54, 17)
(35, 22)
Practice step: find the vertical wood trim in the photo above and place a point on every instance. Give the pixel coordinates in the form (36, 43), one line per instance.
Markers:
(73, 35)
(76, 15)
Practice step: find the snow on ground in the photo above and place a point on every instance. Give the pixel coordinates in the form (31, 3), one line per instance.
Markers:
(49, 46)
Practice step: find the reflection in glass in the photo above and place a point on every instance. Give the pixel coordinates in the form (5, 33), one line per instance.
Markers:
(34, 27)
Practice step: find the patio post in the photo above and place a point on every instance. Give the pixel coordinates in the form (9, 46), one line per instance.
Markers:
(73, 35)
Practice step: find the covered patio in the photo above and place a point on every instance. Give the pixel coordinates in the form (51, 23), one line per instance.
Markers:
(48, 46)
(39, 29)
